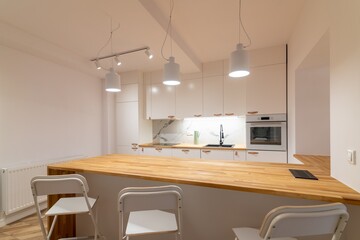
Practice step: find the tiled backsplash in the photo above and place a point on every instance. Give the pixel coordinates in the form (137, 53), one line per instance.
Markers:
(182, 131)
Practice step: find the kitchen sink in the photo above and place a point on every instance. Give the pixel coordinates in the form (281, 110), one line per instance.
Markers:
(218, 145)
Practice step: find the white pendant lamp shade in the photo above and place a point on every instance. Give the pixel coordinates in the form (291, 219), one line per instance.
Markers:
(171, 72)
(239, 63)
(112, 81)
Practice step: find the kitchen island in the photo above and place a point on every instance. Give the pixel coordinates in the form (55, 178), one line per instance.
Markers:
(218, 181)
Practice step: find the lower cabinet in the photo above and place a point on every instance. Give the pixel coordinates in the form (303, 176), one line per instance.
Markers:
(240, 155)
(266, 156)
(210, 154)
(131, 150)
(186, 153)
(156, 151)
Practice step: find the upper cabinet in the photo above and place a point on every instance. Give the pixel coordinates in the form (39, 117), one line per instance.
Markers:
(189, 96)
(213, 89)
(266, 90)
(212, 92)
(160, 96)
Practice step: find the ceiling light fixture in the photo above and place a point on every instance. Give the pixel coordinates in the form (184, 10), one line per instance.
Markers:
(98, 67)
(171, 69)
(149, 53)
(239, 62)
(112, 79)
(118, 63)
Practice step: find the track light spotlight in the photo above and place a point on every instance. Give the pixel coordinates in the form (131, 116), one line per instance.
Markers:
(149, 53)
(98, 67)
(117, 61)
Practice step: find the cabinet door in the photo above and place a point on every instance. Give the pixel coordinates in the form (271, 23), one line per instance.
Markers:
(266, 90)
(156, 151)
(266, 156)
(186, 153)
(213, 98)
(189, 98)
(240, 155)
(127, 123)
(162, 101)
(234, 96)
(217, 154)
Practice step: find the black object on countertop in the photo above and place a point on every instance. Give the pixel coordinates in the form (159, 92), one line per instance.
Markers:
(305, 174)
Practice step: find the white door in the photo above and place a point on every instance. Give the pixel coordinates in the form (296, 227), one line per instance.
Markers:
(234, 96)
(156, 151)
(162, 101)
(213, 96)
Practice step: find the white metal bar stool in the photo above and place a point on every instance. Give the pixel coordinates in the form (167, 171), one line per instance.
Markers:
(64, 184)
(297, 221)
(150, 210)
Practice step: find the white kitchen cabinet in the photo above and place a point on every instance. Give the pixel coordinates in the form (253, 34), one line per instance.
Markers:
(156, 151)
(266, 156)
(213, 98)
(189, 98)
(131, 127)
(234, 96)
(185, 153)
(266, 90)
(211, 154)
(162, 98)
(240, 155)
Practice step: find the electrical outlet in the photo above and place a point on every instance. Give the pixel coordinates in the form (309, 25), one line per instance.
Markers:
(351, 157)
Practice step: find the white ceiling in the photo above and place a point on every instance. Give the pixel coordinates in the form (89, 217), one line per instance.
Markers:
(73, 32)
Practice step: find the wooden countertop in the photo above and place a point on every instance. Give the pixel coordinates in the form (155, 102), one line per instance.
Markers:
(193, 146)
(266, 178)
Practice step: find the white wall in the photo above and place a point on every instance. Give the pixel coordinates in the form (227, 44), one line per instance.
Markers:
(312, 111)
(312, 24)
(345, 89)
(47, 111)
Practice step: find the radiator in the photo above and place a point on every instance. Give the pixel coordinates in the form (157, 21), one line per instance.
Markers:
(15, 186)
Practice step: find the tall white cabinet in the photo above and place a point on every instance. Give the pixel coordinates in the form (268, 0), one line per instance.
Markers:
(130, 124)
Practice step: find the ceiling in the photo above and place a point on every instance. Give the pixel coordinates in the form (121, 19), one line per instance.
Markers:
(72, 32)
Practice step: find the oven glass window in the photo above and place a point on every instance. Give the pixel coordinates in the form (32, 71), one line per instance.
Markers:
(265, 135)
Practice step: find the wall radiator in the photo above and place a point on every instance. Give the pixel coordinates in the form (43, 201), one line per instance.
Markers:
(15, 187)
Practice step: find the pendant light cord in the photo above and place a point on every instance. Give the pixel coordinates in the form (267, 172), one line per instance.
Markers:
(108, 41)
(168, 29)
(241, 25)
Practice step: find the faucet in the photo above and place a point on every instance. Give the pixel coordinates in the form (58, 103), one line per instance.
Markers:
(221, 135)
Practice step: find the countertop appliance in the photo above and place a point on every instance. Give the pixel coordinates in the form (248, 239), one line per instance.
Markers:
(266, 132)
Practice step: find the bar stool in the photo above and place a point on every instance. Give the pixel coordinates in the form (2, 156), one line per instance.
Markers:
(64, 184)
(150, 210)
(296, 221)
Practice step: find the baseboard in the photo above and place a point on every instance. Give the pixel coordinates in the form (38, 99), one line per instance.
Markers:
(7, 219)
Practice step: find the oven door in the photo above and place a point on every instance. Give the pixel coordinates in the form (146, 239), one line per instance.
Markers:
(266, 136)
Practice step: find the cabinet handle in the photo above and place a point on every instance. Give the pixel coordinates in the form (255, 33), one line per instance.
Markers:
(134, 144)
(197, 115)
(253, 112)
(185, 150)
(254, 153)
(134, 148)
(171, 116)
(206, 151)
(229, 114)
(158, 149)
(217, 114)
(236, 153)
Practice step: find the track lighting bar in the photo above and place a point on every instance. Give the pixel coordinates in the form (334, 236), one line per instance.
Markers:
(123, 53)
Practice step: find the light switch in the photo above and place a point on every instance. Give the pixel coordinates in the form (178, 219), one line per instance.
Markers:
(351, 156)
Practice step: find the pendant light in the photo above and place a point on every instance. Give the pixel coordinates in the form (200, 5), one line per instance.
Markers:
(171, 75)
(239, 63)
(112, 81)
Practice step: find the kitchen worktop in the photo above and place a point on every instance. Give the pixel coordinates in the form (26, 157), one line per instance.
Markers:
(266, 178)
(194, 146)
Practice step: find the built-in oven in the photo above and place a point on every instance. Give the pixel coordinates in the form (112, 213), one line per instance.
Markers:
(266, 132)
